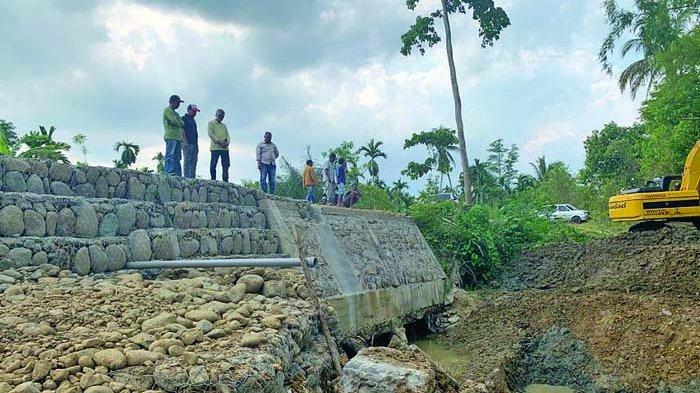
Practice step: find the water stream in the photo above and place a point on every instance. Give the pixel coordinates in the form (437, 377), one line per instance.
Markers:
(454, 364)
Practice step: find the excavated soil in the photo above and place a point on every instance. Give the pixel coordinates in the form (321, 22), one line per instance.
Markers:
(615, 315)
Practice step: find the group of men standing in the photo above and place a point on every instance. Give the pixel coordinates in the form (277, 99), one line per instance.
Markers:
(181, 136)
(335, 177)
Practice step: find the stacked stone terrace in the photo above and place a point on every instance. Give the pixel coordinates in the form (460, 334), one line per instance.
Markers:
(95, 219)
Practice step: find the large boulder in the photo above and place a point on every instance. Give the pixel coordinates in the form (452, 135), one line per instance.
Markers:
(14, 181)
(381, 369)
(126, 218)
(60, 172)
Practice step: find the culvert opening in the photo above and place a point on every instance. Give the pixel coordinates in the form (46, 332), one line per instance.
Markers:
(416, 330)
(552, 362)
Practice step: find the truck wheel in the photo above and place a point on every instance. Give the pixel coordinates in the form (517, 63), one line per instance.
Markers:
(576, 219)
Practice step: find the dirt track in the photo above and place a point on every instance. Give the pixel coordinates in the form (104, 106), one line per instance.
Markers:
(615, 315)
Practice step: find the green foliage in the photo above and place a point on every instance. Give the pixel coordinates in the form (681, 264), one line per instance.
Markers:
(81, 141)
(159, 158)
(8, 134)
(40, 144)
(473, 243)
(613, 157)
(373, 151)
(129, 151)
(440, 142)
(346, 150)
(375, 198)
(492, 20)
(672, 114)
(654, 26)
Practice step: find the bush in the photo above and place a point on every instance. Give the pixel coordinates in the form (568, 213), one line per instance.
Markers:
(472, 244)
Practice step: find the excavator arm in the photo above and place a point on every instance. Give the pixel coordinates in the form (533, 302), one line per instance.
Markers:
(691, 170)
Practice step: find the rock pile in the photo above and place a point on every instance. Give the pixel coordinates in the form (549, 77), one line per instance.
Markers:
(242, 330)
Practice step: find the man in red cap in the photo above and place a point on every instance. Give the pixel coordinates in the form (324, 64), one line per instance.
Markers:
(189, 143)
(172, 123)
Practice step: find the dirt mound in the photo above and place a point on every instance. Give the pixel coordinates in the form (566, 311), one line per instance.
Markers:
(663, 261)
(603, 342)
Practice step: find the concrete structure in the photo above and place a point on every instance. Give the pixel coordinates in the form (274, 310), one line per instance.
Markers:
(374, 268)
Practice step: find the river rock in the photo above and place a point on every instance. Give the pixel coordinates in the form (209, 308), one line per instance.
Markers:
(203, 314)
(11, 221)
(81, 261)
(41, 258)
(34, 224)
(140, 357)
(252, 340)
(41, 370)
(34, 184)
(14, 181)
(99, 389)
(160, 321)
(86, 222)
(27, 387)
(51, 221)
(20, 256)
(126, 218)
(136, 189)
(113, 359)
(98, 259)
(166, 246)
(60, 171)
(60, 188)
(66, 222)
(108, 225)
(252, 282)
(116, 257)
(274, 288)
(140, 245)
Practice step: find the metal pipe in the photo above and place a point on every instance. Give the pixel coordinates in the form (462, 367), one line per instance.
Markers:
(231, 262)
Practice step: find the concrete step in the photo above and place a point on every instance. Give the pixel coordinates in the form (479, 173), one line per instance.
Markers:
(28, 214)
(48, 177)
(111, 253)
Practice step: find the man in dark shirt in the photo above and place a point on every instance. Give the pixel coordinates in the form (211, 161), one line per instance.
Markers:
(189, 146)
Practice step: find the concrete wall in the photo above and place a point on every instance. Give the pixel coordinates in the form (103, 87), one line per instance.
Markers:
(375, 269)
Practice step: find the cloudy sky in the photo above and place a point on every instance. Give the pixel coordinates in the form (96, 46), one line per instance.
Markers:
(314, 72)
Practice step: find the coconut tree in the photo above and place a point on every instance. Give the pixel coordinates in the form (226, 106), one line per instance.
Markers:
(81, 141)
(540, 167)
(653, 26)
(373, 151)
(40, 144)
(128, 152)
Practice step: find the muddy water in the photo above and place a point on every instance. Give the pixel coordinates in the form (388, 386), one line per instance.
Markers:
(449, 359)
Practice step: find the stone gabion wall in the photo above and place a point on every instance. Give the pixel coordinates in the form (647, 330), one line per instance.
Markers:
(24, 214)
(47, 177)
(98, 255)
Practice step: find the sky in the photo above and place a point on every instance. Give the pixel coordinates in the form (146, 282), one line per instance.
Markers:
(313, 72)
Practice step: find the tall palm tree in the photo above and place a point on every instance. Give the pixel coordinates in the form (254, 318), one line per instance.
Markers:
(373, 151)
(129, 151)
(540, 166)
(40, 144)
(654, 25)
(159, 158)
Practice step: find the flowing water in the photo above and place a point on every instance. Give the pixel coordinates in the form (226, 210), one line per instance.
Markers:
(448, 358)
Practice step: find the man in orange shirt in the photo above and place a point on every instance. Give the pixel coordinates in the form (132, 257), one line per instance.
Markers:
(309, 180)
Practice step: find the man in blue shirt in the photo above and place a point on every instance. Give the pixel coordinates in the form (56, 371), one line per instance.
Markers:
(340, 180)
(189, 144)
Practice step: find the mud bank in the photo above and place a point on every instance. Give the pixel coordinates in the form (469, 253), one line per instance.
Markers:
(615, 315)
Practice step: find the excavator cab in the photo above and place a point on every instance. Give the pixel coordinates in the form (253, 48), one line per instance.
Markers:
(663, 199)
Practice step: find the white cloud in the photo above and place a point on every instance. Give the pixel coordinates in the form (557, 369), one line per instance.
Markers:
(136, 32)
(549, 134)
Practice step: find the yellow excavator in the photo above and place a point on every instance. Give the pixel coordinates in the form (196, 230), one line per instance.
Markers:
(664, 199)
